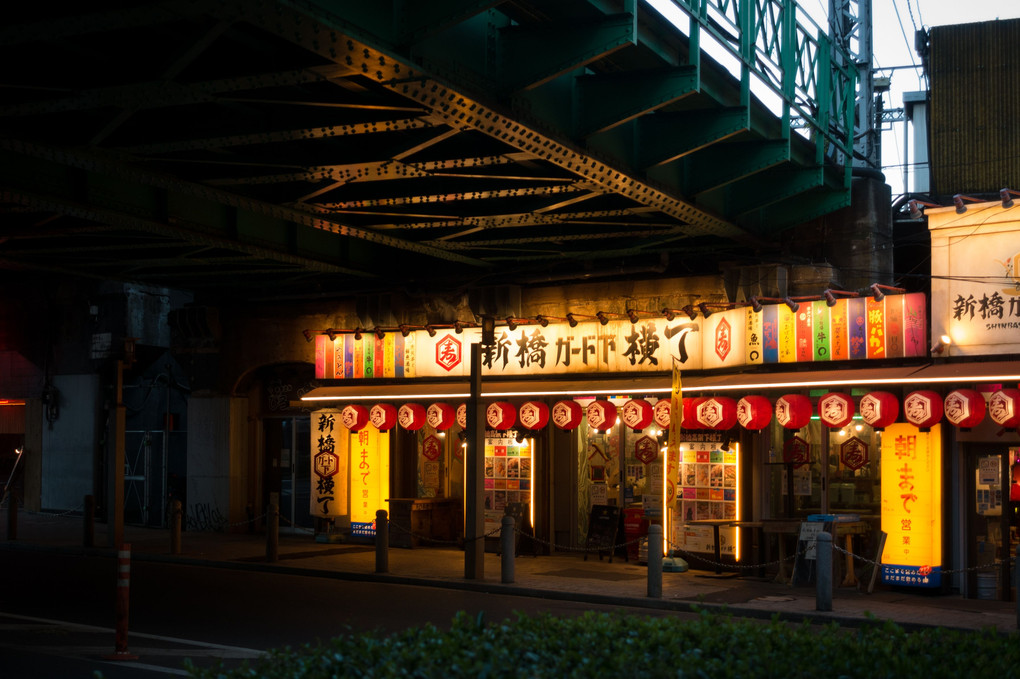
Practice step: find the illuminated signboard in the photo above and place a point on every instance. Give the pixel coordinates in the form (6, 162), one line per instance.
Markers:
(853, 329)
(911, 506)
(350, 471)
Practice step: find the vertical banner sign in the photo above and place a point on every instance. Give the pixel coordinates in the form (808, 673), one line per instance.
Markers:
(370, 478)
(894, 326)
(857, 320)
(676, 411)
(915, 325)
(787, 334)
(911, 506)
(875, 327)
(820, 328)
(329, 466)
(770, 333)
(753, 339)
(839, 332)
(805, 333)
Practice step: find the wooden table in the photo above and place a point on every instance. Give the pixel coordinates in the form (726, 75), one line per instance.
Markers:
(784, 527)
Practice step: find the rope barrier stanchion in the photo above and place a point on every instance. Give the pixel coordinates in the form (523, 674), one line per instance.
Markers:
(655, 561)
(507, 544)
(382, 542)
(88, 521)
(823, 580)
(120, 649)
(272, 533)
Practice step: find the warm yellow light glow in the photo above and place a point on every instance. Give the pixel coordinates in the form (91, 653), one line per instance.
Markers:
(736, 449)
(531, 505)
(912, 496)
(665, 506)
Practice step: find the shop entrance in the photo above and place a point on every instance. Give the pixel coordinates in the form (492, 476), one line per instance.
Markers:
(993, 499)
(288, 469)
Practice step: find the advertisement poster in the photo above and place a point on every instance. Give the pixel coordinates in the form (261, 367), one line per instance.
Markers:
(507, 475)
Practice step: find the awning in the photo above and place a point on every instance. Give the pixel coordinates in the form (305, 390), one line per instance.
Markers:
(659, 384)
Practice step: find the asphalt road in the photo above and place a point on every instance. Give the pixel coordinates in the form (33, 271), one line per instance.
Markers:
(58, 614)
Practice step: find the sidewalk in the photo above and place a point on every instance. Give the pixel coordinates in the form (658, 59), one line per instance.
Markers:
(561, 576)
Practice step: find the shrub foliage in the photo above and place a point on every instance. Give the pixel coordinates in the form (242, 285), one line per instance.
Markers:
(598, 644)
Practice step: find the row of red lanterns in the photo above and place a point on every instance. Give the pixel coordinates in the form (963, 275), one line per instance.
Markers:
(964, 408)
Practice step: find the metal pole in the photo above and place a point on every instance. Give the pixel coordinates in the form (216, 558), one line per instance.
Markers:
(506, 539)
(88, 519)
(175, 527)
(382, 542)
(655, 561)
(120, 649)
(272, 532)
(823, 564)
(115, 473)
(474, 525)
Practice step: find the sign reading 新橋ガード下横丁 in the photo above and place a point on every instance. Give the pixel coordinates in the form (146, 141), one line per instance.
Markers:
(858, 328)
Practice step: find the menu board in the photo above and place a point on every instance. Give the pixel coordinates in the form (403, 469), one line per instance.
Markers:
(507, 475)
(707, 489)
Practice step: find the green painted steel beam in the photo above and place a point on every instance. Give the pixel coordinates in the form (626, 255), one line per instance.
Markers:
(532, 56)
(726, 163)
(665, 137)
(798, 210)
(605, 100)
(766, 188)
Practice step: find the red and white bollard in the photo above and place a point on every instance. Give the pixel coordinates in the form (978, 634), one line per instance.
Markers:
(120, 649)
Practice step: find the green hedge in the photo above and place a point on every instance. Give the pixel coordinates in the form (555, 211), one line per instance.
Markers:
(603, 645)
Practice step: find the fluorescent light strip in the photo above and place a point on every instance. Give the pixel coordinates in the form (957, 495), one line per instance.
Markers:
(665, 390)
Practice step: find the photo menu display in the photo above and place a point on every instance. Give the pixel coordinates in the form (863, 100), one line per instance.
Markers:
(507, 475)
(708, 482)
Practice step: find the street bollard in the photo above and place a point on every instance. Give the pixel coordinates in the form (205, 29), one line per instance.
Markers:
(175, 527)
(655, 561)
(88, 522)
(12, 515)
(506, 543)
(382, 542)
(272, 532)
(823, 565)
(120, 649)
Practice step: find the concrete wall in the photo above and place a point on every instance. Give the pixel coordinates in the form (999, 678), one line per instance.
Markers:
(69, 443)
(217, 462)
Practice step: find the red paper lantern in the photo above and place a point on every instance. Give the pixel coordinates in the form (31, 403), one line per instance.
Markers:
(440, 416)
(793, 411)
(534, 414)
(411, 416)
(462, 415)
(717, 412)
(661, 412)
(690, 414)
(754, 412)
(601, 415)
(383, 416)
(879, 408)
(1004, 407)
(836, 409)
(354, 417)
(501, 415)
(567, 414)
(923, 409)
(965, 408)
(636, 413)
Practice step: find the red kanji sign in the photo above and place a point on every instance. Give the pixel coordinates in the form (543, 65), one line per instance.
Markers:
(796, 451)
(448, 354)
(723, 340)
(431, 448)
(853, 453)
(646, 449)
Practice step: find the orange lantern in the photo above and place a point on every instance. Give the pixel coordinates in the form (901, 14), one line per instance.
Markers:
(836, 409)
(661, 412)
(440, 416)
(601, 415)
(793, 411)
(879, 409)
(383, 416)
(462, 415)
(354, 417)
(964, 408)
(717, 412)
(411, 416)
(923, 409)
(533, 414)
(754, 412)
(567, 414)
(636, 413)
(1004, 407)
(501, 415)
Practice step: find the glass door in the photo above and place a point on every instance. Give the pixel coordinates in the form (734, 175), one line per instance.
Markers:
(992, 526)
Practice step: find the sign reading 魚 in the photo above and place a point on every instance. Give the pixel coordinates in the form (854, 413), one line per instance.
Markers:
(911, 506)
(853, 329)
